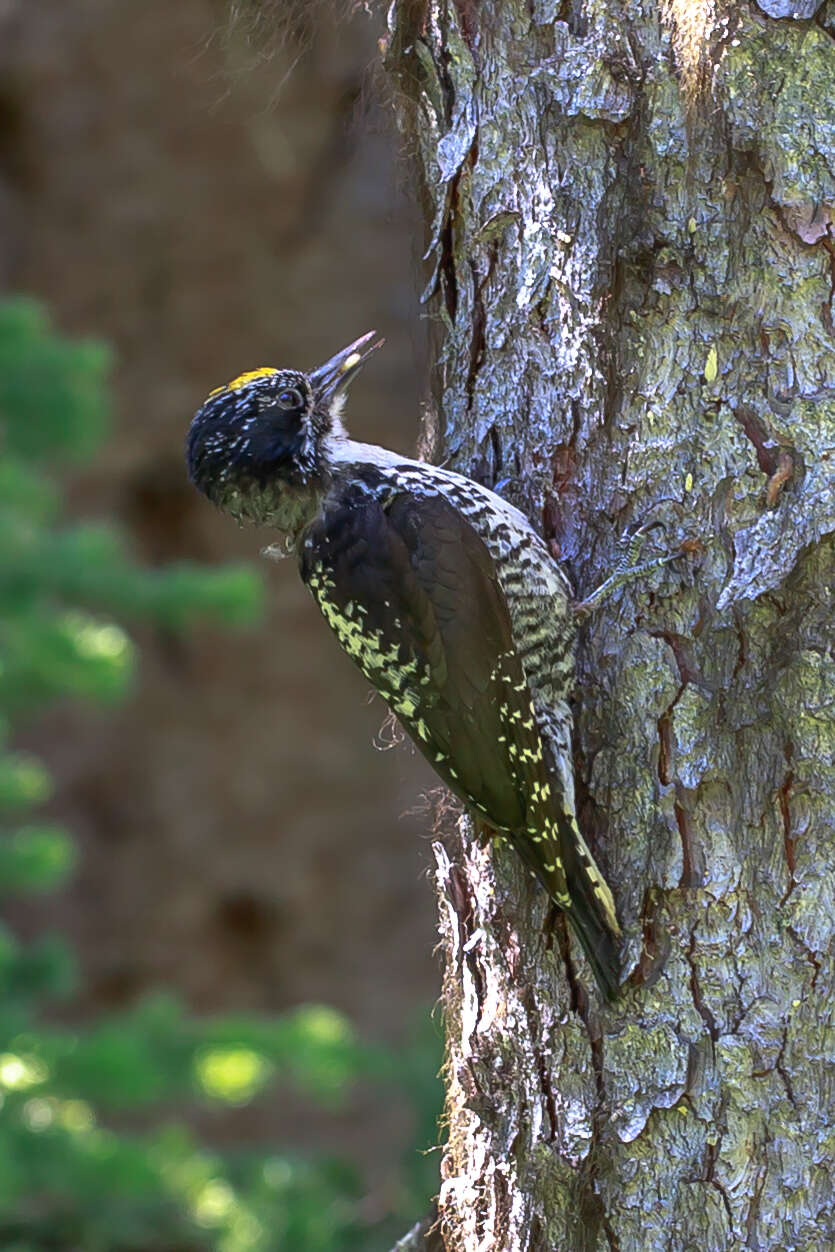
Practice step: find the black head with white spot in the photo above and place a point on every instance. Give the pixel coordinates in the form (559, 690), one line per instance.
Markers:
(265, 433)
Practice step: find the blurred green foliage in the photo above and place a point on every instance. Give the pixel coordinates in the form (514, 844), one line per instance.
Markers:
(72, 1177)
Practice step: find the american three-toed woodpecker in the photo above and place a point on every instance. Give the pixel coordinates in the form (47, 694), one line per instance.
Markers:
(441, 592)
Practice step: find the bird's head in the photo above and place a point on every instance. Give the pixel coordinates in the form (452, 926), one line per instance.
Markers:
(260, 442)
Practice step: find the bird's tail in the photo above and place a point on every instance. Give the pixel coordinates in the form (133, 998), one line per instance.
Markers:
(592, 912)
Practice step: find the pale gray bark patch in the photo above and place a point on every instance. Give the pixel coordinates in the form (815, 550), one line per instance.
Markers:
(634, 294)
(797, 9)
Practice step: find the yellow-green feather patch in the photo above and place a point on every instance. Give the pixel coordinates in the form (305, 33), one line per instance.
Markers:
(242, 380)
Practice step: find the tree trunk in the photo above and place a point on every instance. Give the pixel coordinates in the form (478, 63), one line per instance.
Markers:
(630, 230)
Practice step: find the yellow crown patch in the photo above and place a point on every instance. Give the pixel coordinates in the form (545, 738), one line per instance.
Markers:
(242, 380)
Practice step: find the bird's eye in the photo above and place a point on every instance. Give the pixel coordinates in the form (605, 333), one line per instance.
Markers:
(291, 398)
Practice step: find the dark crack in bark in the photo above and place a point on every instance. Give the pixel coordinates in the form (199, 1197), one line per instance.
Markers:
(696, 991)
(783, 796)
(711, 1152)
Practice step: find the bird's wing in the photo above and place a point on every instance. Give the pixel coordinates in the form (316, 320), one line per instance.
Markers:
(410, 590)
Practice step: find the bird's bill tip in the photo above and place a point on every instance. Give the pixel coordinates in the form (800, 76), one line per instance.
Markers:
(339, 371)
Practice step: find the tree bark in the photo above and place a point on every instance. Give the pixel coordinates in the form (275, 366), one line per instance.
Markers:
(631, 248)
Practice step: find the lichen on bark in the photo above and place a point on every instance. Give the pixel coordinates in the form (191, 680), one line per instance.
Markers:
(633, 288)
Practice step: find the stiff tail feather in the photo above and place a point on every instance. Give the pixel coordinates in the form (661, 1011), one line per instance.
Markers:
(592, 912)
(566, 868)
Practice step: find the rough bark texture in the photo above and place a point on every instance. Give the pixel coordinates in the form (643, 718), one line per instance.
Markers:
(631, 247)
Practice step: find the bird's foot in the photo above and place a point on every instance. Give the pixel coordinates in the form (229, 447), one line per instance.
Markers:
(281, 550)
(628, 568)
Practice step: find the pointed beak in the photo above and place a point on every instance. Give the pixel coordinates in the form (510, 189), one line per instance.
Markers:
(337, 374)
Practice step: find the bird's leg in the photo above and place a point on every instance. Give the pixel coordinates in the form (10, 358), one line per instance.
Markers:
(628, 568)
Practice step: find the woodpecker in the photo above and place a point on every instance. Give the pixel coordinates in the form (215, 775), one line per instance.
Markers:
(442, 593)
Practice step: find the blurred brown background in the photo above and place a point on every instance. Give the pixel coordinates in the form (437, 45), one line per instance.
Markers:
(207, 211)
